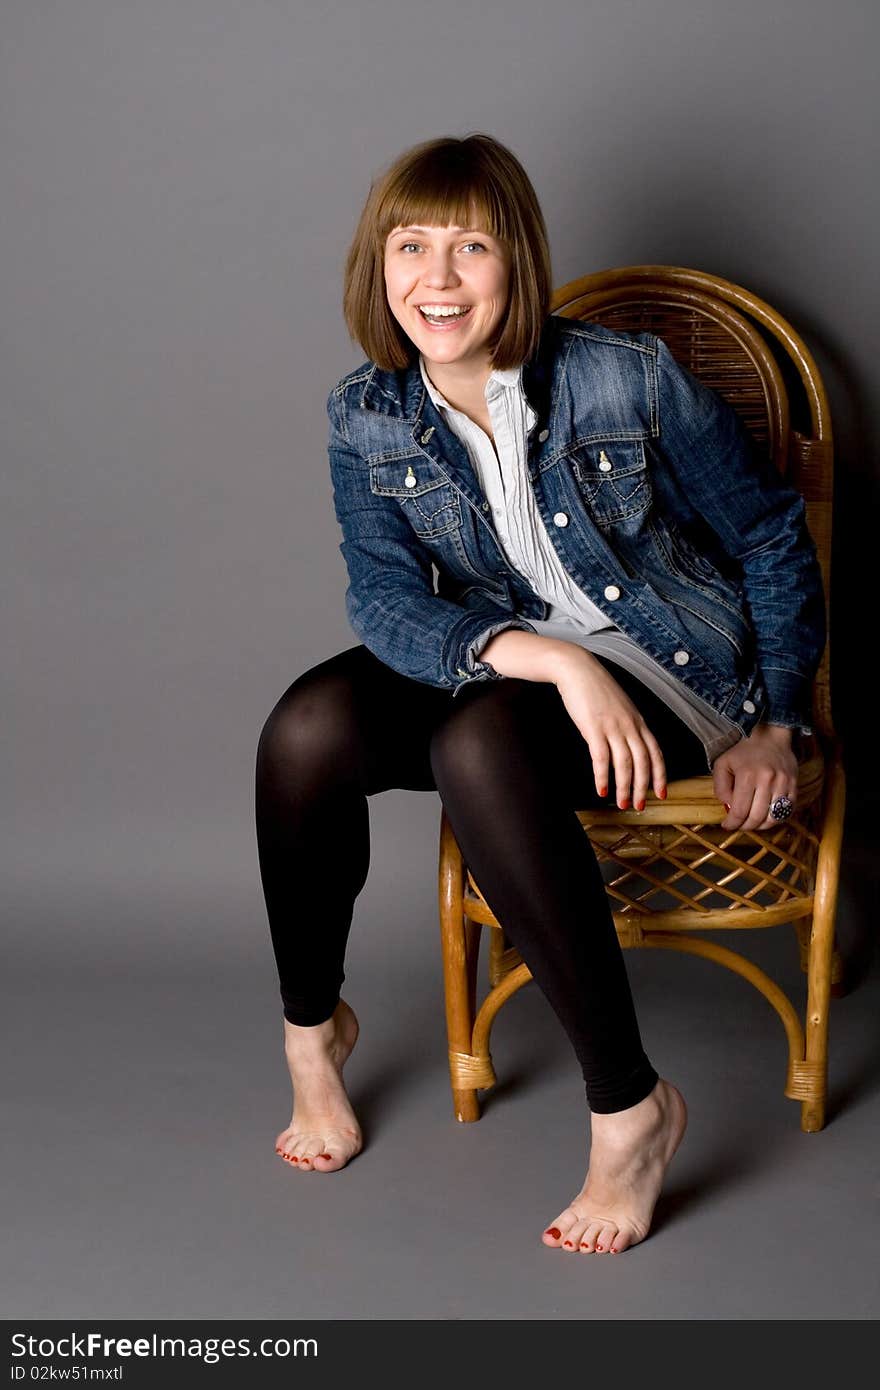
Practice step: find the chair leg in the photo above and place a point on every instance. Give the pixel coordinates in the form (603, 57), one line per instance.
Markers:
(821, 952)
(460, 941)
(804, 927)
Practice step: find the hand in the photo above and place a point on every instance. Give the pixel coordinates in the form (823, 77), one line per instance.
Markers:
(751, 774)
(613, 728)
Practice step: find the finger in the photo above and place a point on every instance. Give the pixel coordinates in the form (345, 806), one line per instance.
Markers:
(601, 758)
(723, 781)
(623, 770)
(759, 809)
(741, 801)
(784, 786)
(641, 771)
(658, 763)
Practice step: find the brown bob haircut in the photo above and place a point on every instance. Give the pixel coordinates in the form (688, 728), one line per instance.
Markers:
(469, 182)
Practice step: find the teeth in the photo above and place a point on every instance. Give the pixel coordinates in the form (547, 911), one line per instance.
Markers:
(442, 311)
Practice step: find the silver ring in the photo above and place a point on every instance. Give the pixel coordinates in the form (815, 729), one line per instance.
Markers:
(781, 808)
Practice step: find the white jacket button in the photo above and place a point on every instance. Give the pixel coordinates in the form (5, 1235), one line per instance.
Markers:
(545, 434)
(749, 706)
(681, 658)
(605, 465)
(561, 519)
(612, 592)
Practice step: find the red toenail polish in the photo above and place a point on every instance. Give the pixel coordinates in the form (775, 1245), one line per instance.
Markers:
(614, 1250)
(325, 1155)
(584, 1247)
(569, 1244)
(600, 1247)
(553, 1232)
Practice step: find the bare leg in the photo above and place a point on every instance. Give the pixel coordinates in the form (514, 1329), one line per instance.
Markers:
(629, 1154)
(323, 1134)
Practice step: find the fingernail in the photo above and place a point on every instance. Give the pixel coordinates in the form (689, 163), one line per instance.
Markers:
(624, 804)
(603, 791)
(663, 793)
(553, 1232)
(640, 805)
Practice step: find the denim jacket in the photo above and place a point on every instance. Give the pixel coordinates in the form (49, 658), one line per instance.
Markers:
(689, 541)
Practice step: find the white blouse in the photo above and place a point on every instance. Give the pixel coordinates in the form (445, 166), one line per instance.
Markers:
(522, 535)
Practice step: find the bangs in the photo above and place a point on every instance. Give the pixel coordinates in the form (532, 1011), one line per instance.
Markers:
(444, 191)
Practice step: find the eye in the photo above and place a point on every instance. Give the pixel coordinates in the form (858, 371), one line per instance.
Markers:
(405, 244)
(479, 245)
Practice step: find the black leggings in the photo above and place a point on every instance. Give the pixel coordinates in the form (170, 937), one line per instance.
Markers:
(511, 768)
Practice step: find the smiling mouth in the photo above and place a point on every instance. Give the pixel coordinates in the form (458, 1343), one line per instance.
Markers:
(448, 319)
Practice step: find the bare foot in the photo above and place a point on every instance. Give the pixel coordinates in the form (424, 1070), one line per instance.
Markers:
(629, 1154)
(323, 1133)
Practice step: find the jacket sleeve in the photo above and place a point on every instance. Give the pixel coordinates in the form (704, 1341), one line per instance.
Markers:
(390, 599)
(760, 523)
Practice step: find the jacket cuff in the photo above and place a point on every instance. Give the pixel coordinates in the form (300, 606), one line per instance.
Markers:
(469, 641)
(789, 699)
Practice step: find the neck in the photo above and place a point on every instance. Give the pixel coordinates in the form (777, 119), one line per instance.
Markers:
(459, 382)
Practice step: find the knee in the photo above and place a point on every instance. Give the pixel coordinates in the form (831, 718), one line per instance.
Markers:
(310, 726)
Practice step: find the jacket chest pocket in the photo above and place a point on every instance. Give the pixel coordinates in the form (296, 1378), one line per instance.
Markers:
(431, 505)
(614, 480)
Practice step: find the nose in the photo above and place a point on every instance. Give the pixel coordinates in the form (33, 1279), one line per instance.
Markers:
(440, 271)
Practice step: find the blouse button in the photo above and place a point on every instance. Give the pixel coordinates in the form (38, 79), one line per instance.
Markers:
(560, 519)
(545, 434)
(612, 592)
(681, 658)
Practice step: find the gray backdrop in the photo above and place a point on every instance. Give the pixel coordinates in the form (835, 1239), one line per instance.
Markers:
(180, 181)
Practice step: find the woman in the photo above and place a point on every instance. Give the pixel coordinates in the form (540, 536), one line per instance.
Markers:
(625, 593)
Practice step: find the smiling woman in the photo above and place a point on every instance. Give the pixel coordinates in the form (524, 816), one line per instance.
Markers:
(600, 647)
(448, 289)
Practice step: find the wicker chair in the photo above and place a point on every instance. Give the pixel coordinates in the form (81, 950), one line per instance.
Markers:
(671, 870)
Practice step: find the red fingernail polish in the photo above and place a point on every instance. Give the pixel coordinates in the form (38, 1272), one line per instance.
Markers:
(553, 1232)
(640, 805)
(663, 793)
(624, 804)
(603, 791)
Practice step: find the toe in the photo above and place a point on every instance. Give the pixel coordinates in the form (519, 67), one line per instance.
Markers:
(589, 1237)
(605, 1238)
(572, 1240)
(557, 1232)
(622, 1241)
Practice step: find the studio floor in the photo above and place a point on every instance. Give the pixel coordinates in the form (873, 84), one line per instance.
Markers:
(147, 1085)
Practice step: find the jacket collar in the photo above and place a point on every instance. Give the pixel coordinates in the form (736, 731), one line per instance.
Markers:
(401, 394)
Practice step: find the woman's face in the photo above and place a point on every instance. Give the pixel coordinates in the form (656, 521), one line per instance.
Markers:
(445, 268)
